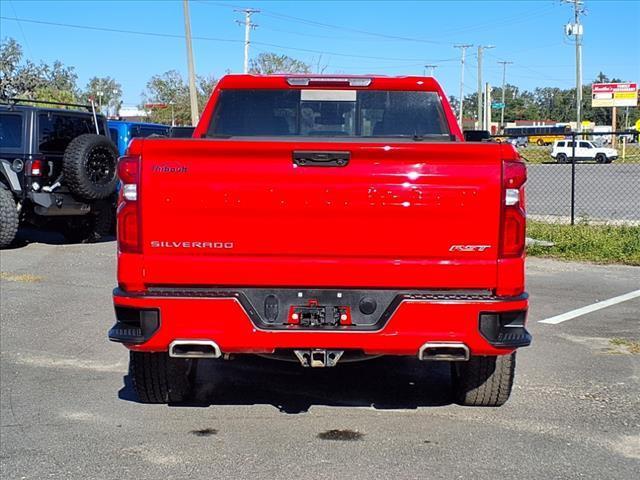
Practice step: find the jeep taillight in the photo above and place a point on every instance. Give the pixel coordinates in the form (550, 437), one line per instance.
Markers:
(36, 167)
(513, 224)
(129, 231)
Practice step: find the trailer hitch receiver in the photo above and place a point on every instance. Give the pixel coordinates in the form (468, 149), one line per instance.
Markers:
(318, 358)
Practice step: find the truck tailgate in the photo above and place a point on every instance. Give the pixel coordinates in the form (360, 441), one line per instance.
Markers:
(403, 214)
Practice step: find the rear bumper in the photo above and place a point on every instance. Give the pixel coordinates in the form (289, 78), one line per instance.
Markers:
(57, 204)
(414, 320)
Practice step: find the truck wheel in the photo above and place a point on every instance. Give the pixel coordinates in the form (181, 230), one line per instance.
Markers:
(89, 166)
(8, 217)
(601, 158)
(484, 381)
(561, 158)
(159, 378)
(89, 228)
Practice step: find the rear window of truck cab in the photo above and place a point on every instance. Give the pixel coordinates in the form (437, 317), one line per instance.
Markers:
(328, 113)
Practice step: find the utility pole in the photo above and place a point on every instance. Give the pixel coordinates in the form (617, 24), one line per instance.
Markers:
(461, 98)
(504, 77)
(432, 69)
(193, 94)
(487, 107)
(480, 86)
(247, 29)
(576, 30)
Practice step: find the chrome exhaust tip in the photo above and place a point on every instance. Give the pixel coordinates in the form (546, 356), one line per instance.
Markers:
(194, 349)
(444, 352)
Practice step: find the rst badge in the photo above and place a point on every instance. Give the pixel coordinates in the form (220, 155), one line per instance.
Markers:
(469, 248)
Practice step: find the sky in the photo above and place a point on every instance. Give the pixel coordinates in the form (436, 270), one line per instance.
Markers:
(360, 37)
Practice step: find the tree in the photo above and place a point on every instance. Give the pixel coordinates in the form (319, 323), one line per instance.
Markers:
(205, 86)
(17, 78)
(268, 63)
(25, 79)
(106, 92)
(171, 89)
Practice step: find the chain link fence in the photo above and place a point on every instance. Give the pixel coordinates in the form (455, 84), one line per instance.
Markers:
(586, 177)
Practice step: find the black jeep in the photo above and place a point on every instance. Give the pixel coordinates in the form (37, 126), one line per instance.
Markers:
(57, 170)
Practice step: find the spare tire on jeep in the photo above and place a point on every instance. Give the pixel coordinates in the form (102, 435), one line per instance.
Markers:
(89, 166)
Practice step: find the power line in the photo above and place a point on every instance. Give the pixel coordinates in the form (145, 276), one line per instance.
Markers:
(536, 72)
(305, 21)
(211, 39)
(26, 42)
(506, 21)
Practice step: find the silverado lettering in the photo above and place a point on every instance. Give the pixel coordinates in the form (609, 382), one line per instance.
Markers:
(363, 224)
(161, 244)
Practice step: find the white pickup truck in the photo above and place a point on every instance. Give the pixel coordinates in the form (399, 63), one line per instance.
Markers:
(563, 150)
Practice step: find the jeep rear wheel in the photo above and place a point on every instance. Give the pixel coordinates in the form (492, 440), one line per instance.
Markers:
(159, 378)
(8, 217)
(89, 166)
(484, 381)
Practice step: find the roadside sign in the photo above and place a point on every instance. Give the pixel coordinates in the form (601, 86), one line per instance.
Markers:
(497, 105)
(614, 94)
(638, 126)
(155, 105)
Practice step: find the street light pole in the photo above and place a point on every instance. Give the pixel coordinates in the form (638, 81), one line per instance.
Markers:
(100, 93)
(193, 94)
(504, 77)
(461, 98)
(480, 85)
(577, 31)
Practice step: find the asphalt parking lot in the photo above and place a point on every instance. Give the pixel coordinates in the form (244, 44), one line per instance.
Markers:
(68, 410)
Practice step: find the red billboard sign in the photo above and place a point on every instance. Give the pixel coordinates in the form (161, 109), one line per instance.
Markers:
(614, 94)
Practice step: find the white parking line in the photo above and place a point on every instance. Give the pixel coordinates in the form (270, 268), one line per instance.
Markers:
(590, 308)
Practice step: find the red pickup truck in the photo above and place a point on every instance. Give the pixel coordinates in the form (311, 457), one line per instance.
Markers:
(322, 220)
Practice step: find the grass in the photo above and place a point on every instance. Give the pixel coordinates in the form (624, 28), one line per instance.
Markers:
(632, 346)
(585, 242)
(23, 278)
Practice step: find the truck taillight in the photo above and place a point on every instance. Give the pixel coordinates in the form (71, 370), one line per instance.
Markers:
(513, 225)
(129, 231)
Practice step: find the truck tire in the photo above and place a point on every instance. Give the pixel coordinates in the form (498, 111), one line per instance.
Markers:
(89, 228)
(562, 158)
(159, 378)
(89, 166)
(8, 217)
(484, 381)
(601, 158)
